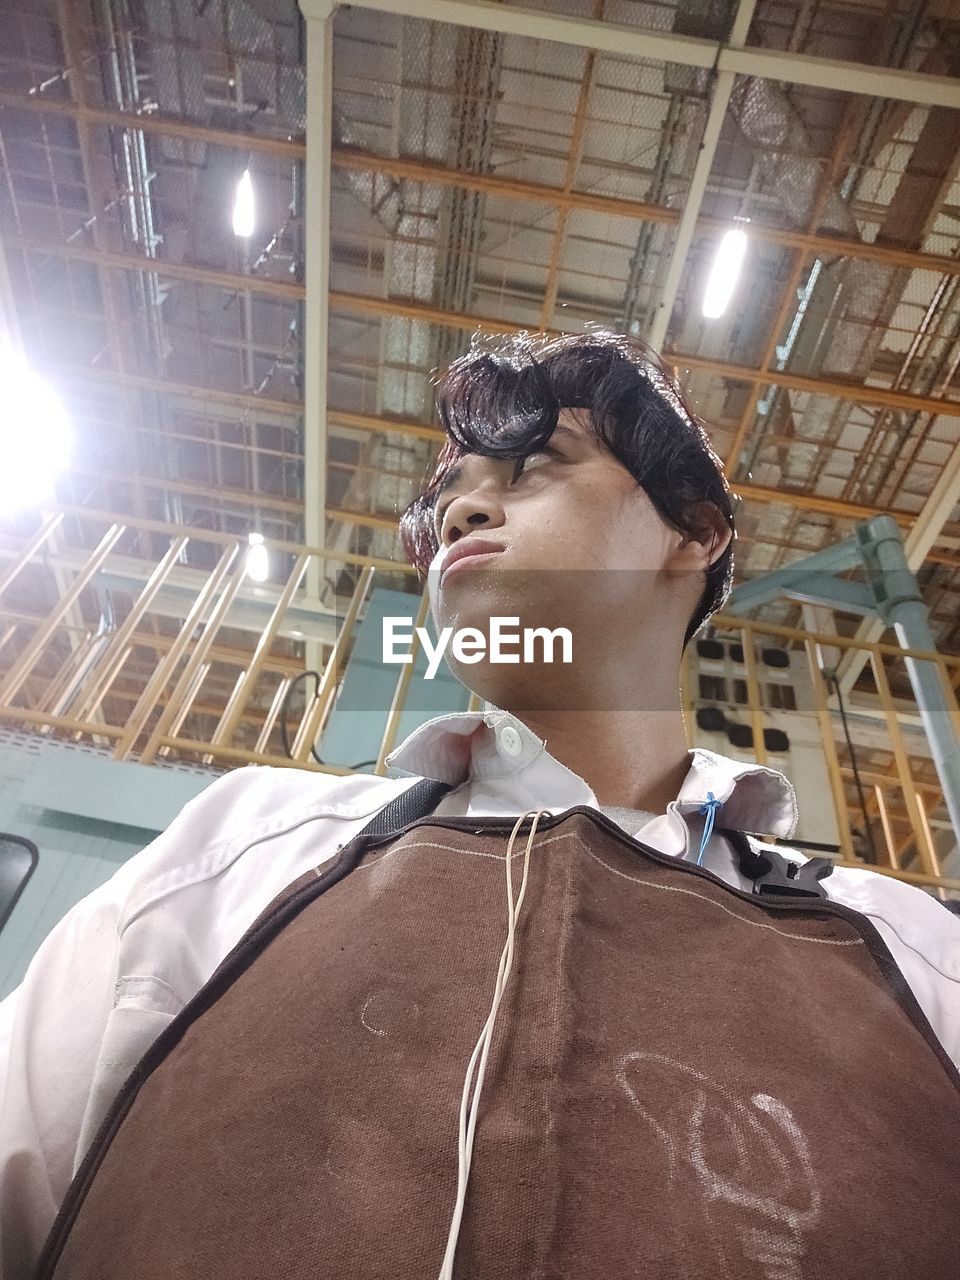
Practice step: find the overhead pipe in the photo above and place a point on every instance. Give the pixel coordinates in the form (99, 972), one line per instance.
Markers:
(722, 89)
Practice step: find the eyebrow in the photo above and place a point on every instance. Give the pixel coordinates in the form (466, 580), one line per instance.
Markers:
(456, 471)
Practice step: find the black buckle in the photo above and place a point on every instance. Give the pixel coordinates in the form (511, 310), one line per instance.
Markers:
(772, 873)
(792, 879)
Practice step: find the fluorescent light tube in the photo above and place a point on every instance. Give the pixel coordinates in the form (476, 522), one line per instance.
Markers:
(258, 561)
(243, 206)
(724, 274)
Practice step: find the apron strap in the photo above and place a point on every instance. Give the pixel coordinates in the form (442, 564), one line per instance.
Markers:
(416, 802)
(770, 871)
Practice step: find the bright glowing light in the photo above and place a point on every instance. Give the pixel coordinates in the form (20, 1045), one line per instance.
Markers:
(258, 561)
(243, 206)
(35, 432)
(724, 274)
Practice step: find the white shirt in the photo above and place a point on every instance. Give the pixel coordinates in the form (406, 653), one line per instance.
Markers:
(125, 960)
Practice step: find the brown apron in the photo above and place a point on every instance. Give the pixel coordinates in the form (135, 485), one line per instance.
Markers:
(685, 1081)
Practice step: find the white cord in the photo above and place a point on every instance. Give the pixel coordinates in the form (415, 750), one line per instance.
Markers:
(483, 1044)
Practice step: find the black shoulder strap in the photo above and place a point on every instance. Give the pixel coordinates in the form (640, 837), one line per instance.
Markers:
(416, 802)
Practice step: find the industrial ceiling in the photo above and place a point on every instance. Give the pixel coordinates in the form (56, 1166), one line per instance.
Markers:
(496, 166)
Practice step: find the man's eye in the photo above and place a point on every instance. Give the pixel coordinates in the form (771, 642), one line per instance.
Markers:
(523, 463)
(519, 467)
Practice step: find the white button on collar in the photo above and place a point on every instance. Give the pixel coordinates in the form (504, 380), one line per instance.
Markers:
(511, 741)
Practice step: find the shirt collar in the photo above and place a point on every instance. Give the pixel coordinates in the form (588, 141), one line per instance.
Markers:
(482, 746)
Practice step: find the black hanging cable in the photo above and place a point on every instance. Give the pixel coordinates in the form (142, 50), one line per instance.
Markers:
(284, 734)
(832, 679)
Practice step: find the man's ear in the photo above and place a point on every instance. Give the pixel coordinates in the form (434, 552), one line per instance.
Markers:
(710, 539)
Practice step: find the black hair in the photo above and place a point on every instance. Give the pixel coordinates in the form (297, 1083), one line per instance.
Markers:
(502, 399)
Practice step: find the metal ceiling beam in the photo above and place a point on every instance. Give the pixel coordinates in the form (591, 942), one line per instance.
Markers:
(358, 304)
(857, 393)
(148, 122)
(369, 422)
(361, 305)
(620, 207)
(686, 228)
(842, 508)
(350, 160)
(620, 39)
(243, 401)
(843, 76)
(215, 494)
(234, 280)
(816, 502)
(353, 421)
(851, 392)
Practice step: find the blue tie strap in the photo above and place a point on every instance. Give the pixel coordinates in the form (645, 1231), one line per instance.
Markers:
(709, 807)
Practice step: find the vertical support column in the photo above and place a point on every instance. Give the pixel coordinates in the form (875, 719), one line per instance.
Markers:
(318, 15)
(902, 607)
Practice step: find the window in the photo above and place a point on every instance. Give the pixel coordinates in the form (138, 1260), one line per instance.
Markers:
(713, 688)
(741, 735)
(709, 649)
(711, 720)
(776, 658)
(780, 697)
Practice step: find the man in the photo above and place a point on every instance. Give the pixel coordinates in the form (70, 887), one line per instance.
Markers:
(615, 508)
(246, 1054)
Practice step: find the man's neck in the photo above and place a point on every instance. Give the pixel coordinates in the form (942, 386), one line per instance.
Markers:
(635, 759)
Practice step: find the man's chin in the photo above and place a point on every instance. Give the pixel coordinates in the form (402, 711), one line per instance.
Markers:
(513, 688)
(474, 605)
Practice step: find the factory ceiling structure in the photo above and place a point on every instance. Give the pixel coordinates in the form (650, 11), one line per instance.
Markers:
(424, 169)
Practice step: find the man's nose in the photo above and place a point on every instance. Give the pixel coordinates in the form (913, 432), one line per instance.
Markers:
(467, 512)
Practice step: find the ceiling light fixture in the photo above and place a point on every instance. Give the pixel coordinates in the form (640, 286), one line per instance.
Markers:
(36, 435)
(724, 274)
(258, 561)
(243, 207)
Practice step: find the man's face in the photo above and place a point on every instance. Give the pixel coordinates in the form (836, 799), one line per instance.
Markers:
(579, 545)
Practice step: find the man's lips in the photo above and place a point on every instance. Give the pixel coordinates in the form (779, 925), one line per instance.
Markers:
(470, 549)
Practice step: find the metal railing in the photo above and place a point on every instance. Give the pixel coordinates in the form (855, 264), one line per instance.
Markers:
(201, 664)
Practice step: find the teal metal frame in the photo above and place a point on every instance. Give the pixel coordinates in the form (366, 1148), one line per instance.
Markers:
(889, 592)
